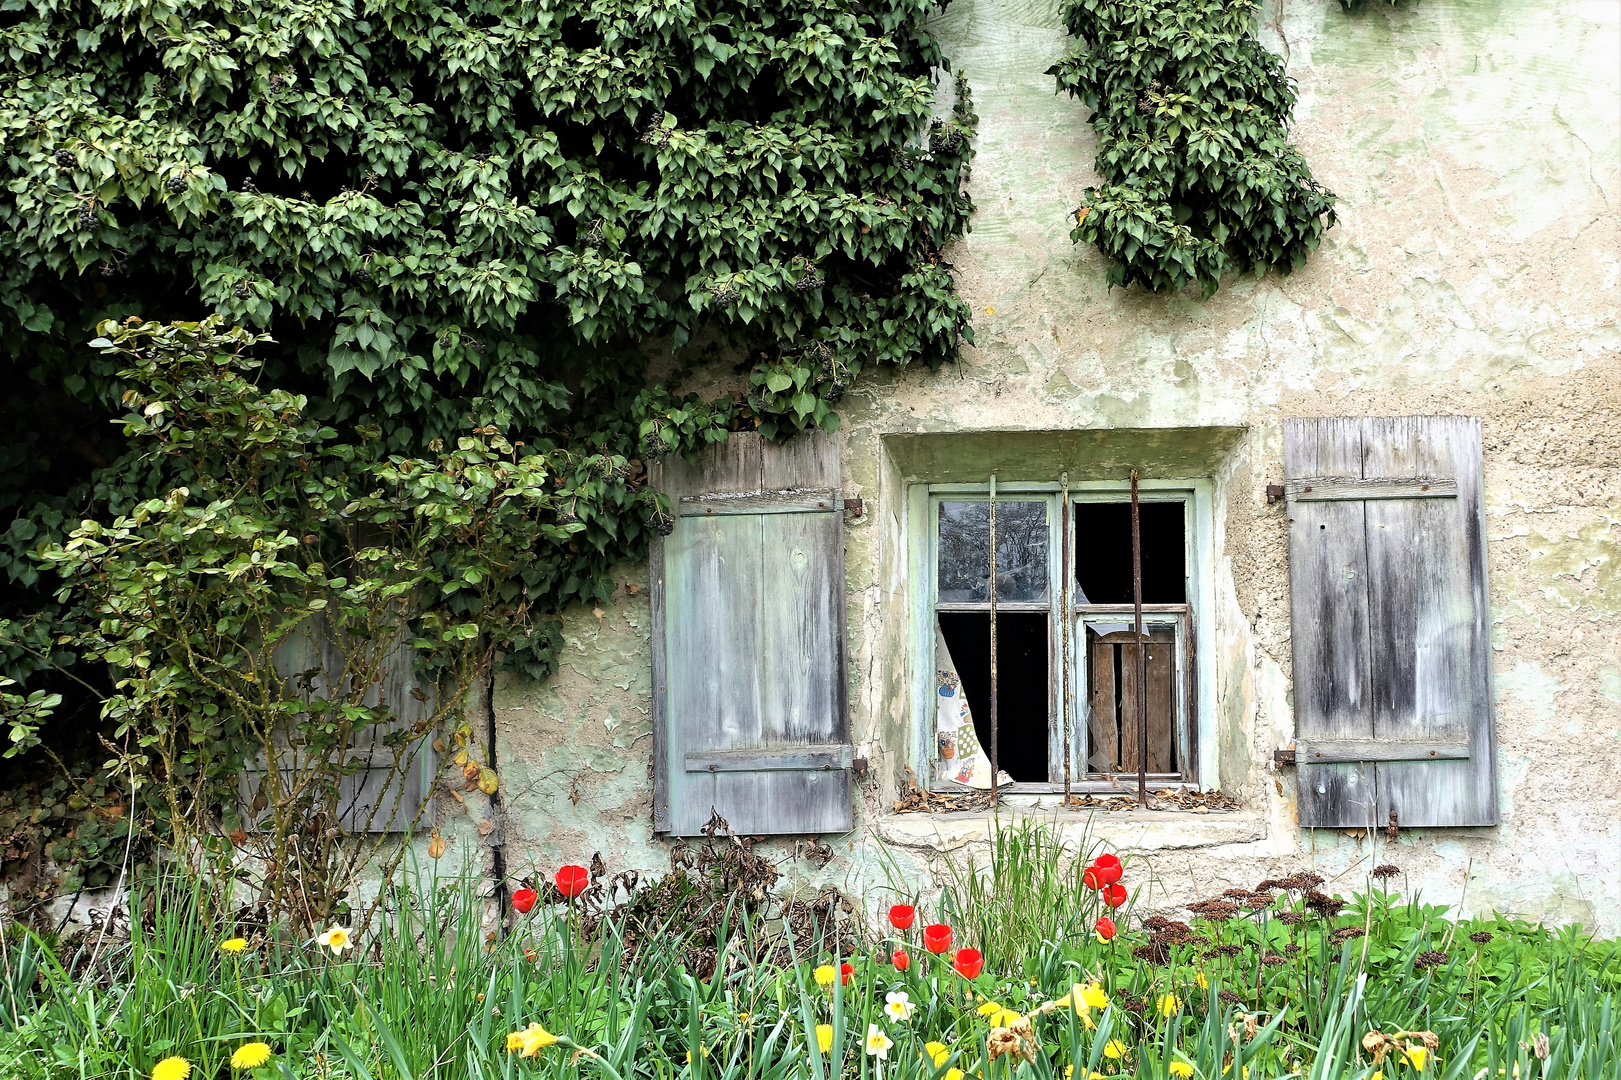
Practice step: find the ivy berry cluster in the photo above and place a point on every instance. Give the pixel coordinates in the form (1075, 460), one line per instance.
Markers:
(1191, 114)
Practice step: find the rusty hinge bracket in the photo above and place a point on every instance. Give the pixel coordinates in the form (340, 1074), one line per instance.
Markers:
(859, 767)
(1274, 493)
(1282, 758)
(852, 508)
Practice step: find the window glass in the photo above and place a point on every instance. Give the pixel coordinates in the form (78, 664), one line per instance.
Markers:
(1021, 552)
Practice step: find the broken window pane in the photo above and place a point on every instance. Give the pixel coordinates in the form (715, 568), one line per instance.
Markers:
(1021, 552)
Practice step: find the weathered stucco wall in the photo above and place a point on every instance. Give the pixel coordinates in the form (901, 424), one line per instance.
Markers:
(1476, 151)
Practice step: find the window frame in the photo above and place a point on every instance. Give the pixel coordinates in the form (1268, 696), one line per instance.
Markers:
(1195, 651)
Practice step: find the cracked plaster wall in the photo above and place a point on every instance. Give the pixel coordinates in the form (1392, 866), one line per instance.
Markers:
(1476, 269)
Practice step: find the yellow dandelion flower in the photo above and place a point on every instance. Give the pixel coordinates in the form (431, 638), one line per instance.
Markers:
(1169, 1005)
(171, 1068)
(1181, 1069)
(952, 1074)
(937, 1052)
(1204, 983)
(824, 1037)
(250, 1055)
(233, 945)
(1114, 1049)
(825, 975)
(999, 1015)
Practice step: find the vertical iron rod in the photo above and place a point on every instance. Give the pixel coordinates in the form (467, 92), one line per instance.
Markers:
(1066, 575)
(1142, 649)
(994, 765)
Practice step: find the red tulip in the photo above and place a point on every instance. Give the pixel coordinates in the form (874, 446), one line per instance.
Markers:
(901, 916)
(1106, 928)
(572, 881)
(1109, 868)
(523, 900)
(845, 971)
(901, 960)
(1091, 878)
(937, 937)
(1114, 895)
(969, 963)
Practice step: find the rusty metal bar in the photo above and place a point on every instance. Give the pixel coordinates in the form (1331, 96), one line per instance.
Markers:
(995, 771)
(1066, 575)
(1142, 647)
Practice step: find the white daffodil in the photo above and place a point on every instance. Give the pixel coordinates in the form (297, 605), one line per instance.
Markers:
(337, 939)
(899, 1006)
(878, 1043)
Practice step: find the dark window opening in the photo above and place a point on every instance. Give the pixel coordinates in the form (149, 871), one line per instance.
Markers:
(1103, 552)
(1023, 720)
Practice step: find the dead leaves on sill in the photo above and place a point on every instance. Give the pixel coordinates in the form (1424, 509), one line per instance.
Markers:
(918, 801)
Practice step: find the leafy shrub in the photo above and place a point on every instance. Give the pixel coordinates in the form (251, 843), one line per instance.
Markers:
(455, 217)
(1192, 121)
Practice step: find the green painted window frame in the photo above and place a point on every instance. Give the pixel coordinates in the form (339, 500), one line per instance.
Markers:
(1196, 639)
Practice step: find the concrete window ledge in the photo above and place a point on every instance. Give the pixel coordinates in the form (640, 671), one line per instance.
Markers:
(1122, 831)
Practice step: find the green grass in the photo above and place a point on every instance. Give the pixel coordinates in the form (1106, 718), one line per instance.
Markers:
(651, 991)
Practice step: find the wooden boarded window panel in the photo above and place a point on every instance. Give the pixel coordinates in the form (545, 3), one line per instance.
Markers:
(388, 789)
(1390, 621)
(748, 641)
(1112, 709)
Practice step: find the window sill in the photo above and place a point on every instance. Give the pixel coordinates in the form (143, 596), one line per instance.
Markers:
(1135, 830)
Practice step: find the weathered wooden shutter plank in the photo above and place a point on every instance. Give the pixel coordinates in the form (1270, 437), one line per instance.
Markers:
(1328, 600)
(1429, 613)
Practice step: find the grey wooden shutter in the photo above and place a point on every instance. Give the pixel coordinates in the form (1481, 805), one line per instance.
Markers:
(380, 796)
(1389, 620)
(748, 641)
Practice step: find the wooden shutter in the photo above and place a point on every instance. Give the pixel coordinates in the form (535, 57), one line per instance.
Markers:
(748, 641)
(378, 797)
(1390, 626)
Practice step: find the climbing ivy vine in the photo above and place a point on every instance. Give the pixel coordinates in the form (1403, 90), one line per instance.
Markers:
(528, 217)
(1192, 119)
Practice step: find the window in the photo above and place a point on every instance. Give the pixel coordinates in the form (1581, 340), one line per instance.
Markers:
(1044, 719)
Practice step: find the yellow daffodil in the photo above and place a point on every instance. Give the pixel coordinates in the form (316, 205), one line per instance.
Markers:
(999, 1015)
(171, 1068)
(877, 1043)
(1069, 1074)
(937, 1052)
(1094, 996)
(250, 1055)
(337, 939)
(1169, 1005)
(530, 1041)
(826, 974)
(1418, 1057)
(704, 1050)
(1181, 1069)
(1380, 1075)
(1114, 1049)
(898, 1006)
(952, 1074)
(233, 945)
(824, 1037)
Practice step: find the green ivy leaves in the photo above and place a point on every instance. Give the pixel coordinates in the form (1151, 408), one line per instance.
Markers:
(1191, 115)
